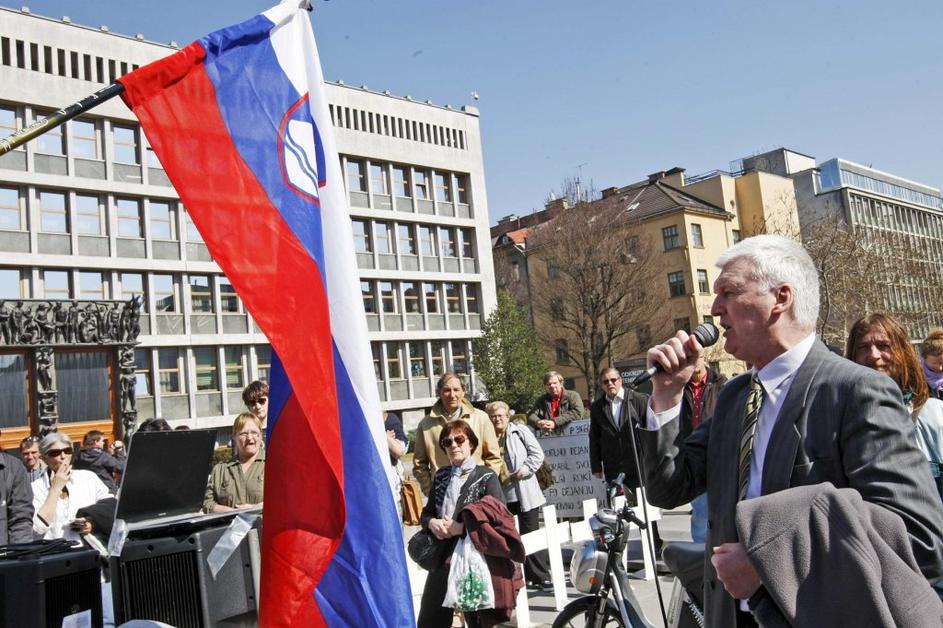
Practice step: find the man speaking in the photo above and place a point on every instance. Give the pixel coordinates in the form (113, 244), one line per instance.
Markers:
(801, 416)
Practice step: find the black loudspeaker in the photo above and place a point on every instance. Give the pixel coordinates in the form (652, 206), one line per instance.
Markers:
(41, 590)
(166, 578)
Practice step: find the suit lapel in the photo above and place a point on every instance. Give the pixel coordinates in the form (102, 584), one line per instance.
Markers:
(729, 436)
(607, 410)
(787, 432)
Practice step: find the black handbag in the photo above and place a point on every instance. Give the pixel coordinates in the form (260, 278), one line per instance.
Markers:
(426, 549)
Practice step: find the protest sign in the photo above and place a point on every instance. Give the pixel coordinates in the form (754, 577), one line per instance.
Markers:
(567, 453)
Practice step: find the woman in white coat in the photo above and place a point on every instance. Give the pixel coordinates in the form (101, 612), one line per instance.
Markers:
(523, 456)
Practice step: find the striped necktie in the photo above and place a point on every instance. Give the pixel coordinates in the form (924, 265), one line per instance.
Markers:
(751, 415)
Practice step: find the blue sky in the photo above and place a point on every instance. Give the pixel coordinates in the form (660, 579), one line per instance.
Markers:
(625, 87)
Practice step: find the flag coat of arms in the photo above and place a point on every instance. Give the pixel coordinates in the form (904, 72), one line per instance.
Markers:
(239, 119)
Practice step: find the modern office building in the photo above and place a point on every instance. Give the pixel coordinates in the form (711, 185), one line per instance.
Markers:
(87, 213)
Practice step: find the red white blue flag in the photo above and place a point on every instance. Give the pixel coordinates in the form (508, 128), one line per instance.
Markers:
(239, 119)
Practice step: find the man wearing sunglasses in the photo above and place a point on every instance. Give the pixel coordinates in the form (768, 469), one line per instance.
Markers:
(255, 396)
(16, 502)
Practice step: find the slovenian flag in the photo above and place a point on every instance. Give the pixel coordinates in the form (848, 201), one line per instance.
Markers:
(240, 122)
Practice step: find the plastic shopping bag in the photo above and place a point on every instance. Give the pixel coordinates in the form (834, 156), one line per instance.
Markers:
(469, 586)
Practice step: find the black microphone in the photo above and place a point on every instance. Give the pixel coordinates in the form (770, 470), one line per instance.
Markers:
(706, 334)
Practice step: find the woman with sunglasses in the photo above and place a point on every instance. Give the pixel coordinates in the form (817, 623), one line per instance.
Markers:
(238, 483)
(455, 486)
(61, 491)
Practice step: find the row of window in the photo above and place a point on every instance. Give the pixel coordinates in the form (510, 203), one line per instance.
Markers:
(419, 359)
(414, 297)
(404, 181)
(90, 214)
(390, 238)
(170, 366)
(82, 138)
(875, 213)
(676, 284)
(161, 292)
(832, 175)
(58, 61)
(393, 126)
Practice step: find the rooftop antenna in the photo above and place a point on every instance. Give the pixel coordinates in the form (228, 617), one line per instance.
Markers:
(579, 181)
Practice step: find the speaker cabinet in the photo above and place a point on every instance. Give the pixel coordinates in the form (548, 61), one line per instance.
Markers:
(41, 590)
(166, 578)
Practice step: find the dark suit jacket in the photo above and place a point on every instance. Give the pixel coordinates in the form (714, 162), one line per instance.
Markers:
(610, 447)
(840, 423)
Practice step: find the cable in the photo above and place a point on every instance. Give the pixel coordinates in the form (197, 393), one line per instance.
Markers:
(36, 548)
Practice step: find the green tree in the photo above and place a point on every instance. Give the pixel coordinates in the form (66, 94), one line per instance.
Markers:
(507, 356)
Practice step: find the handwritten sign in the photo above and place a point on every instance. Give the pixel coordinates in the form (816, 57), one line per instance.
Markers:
(567, 453)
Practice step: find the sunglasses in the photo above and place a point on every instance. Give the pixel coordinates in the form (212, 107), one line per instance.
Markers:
(458, 440)
(610, 381)
(55, 453)
(259, 402)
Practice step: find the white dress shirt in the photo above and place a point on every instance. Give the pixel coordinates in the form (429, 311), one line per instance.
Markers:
(616, 405)
(85, 488)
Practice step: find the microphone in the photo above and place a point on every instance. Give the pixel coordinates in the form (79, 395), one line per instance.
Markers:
(706, 334)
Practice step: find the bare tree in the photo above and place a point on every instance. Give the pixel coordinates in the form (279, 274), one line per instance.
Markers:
(595, 280)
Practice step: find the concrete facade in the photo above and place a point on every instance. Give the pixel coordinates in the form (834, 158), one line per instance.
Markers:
(87, 212)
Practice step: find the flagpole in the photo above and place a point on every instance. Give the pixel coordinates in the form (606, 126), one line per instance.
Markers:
(56, 119)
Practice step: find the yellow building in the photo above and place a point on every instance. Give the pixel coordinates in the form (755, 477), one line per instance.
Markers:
(668, 233)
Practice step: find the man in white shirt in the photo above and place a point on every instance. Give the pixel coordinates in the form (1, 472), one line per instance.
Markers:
(801, 416)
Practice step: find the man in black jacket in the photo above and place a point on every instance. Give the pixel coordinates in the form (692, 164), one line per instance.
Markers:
(93, 457)
(16, 498)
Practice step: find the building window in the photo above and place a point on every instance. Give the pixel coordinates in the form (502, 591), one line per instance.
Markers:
(83, 141)
(393, 364)
(411, 297)
(417, 359)
(207, 365)
(10, 284)
(388, 298)
(376, 349)
(169, 371)
(88, 215)
(201, 296)
(447, 242)
(8, 122)
(703, 285)
(263, 358)
(553, 270)
(56, 284)
(676, 284)
(459, 356)
(556, 311)
(443, 187)
(401, 181)
(53, 218)
(150, 157)
(384, 237)
(362, 240)
(129, 218)
(407, 240)
(379, 179)
(51, 142)
(563, 351)
(132, 285)
(707, 318)
(355, 176)
(165, 294)
(670, 237)
(193, 234)
(736, 235)
(426, 240)
(162, 221)
(453, 298)
(421, 182)
(697, 236)
(369, 298)
(142, 373)
(126, 144)
(461, 188)
(681, 323)
(467, 244)
(235, 374)
(432, 298)
(91, 286)
(471, 299)
(228, 299)
(437, 355)
(10, 217)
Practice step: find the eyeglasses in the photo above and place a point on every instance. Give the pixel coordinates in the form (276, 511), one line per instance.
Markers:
(459, 440)
(611, 380)
(248, 434)
(259, 402)
(55, 453)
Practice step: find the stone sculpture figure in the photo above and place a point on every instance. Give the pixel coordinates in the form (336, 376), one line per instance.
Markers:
(5, 315)
(44, 368)
(61, 318)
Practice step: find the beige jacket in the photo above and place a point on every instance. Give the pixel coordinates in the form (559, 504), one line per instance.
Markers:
(429, 457)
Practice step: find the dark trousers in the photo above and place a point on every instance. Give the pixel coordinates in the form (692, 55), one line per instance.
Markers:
(537, 565)
(431, 612)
